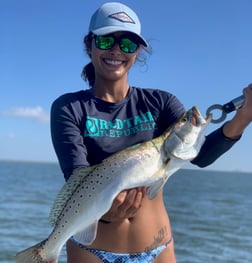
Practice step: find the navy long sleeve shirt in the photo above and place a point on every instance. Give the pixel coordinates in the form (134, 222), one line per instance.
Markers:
(85, 129)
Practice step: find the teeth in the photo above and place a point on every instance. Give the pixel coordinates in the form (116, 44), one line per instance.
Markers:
(113, 62)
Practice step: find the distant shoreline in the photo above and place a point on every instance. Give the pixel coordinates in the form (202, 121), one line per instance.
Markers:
(27, 161)
(196, 170)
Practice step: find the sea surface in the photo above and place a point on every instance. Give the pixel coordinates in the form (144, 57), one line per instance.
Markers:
(210, 212)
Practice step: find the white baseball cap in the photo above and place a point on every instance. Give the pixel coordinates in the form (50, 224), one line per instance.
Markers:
(112, 17)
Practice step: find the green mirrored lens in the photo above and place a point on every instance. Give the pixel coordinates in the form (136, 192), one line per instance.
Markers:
(127, 45)
(102, 42)
(107, 42)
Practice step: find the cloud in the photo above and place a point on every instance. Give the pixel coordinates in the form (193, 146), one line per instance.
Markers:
(37, 113)
(11, 136)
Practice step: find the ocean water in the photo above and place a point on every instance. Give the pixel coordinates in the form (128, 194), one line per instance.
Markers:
(210, 212)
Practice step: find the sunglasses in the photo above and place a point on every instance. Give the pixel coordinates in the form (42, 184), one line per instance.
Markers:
(127, 43)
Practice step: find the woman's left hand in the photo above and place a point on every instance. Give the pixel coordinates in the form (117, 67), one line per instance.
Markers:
(245, 111)
(243, 117)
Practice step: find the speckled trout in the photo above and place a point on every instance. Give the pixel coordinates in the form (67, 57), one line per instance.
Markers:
(90, 191)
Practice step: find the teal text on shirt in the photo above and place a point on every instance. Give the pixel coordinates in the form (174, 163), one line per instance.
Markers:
(96, 127)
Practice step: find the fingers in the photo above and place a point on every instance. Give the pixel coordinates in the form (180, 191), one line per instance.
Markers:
(248, 93)
(248, 89)
(244, 113)
(126, 204)
(250, 86)
(132, 202)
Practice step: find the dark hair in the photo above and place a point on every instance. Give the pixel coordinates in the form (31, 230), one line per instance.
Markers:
(88, 71)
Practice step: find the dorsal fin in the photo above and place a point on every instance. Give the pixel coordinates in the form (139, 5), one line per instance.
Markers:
(67, 190)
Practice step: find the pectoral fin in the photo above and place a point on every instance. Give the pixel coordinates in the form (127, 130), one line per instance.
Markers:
(155, 188)
(87, 236)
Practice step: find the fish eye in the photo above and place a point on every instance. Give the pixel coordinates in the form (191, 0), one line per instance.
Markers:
(184, 119)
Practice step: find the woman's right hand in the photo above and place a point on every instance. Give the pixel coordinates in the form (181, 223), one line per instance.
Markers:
(125, 205)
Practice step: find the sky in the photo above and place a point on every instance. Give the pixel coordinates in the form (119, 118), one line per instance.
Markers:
(201, 52)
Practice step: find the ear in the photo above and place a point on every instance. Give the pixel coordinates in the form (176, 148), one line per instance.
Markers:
(138, 51)
(137, 54)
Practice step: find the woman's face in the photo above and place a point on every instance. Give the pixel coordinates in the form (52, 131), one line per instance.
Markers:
(112, 64)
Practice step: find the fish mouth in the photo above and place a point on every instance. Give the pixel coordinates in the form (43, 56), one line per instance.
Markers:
(196, 119)
(188, 135)
(191, 120)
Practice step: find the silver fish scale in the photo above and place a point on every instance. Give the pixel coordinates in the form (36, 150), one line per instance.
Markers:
(103, 179)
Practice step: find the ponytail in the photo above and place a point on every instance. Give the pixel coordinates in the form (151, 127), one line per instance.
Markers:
(88, 72)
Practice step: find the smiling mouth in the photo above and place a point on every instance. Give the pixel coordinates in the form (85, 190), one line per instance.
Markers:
(113, 62)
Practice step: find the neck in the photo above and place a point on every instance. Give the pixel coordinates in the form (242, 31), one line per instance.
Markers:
(111, 91)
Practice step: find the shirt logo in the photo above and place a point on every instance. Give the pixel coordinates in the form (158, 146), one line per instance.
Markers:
(117, 128)
(122, 17)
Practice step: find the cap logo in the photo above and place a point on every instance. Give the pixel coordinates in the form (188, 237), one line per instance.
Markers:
(122, 17)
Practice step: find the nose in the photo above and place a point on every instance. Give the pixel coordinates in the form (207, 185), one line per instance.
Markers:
(115, 48)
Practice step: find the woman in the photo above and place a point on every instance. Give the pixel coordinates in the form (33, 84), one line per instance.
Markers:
(90, 125)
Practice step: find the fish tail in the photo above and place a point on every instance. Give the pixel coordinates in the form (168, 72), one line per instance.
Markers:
(36, 254)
